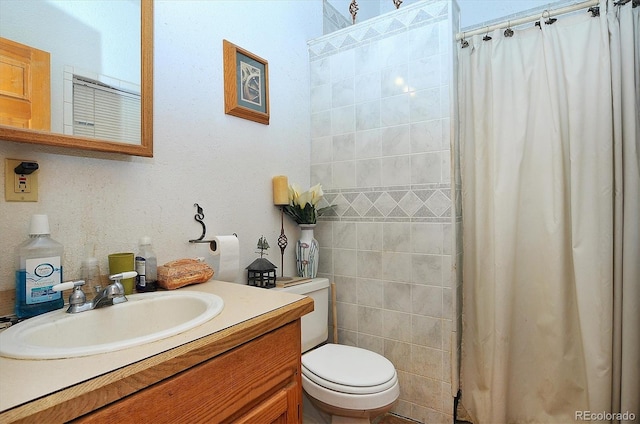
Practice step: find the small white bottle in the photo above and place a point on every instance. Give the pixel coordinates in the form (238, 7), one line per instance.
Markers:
(39, 268)
(90, 272)
(146, 267)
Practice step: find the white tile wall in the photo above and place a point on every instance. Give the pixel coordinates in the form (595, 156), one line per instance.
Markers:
(380, 93)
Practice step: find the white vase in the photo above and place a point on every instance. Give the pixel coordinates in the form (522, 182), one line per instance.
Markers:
(307, 252)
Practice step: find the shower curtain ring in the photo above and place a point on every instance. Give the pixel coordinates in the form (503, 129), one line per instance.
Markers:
(508, 32)
(463, 43)
(550, 20)
(486, 36)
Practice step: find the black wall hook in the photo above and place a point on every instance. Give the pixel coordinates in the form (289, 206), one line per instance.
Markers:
(199, 216)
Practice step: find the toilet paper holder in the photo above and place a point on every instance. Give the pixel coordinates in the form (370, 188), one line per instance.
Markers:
(199, 216)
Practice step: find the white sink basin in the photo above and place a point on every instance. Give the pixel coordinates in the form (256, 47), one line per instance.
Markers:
(143, 319)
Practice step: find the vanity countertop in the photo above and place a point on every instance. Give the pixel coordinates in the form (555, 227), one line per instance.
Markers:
(82, 384)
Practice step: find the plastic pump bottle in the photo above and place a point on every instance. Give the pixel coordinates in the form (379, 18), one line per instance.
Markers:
(146, 267)
(39, 268)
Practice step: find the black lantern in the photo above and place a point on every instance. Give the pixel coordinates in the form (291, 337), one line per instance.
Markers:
(262, 273)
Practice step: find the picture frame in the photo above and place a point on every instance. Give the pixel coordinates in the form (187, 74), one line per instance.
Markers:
(246, 84)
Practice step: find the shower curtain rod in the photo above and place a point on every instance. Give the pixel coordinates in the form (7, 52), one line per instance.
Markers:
(520, 21)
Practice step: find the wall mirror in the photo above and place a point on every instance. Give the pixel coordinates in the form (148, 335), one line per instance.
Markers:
(96, 47)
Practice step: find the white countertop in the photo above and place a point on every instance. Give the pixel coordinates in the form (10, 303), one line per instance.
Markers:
(22, 381)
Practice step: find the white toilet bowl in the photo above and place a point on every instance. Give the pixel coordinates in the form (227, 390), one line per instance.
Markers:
(350, 383)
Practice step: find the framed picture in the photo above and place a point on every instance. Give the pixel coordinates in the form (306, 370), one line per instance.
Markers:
(246, 84)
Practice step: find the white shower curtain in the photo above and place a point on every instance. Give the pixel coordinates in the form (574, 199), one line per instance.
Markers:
(550, 184)
(624, 26)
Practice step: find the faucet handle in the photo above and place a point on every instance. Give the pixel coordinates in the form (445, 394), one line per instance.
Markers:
(67, 285)
(77, 297)
(116, 290)
(123, 276)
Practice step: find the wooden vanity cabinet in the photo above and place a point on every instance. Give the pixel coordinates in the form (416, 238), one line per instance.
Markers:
(256, 382)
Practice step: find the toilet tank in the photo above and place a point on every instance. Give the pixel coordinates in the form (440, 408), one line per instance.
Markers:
(315, 325)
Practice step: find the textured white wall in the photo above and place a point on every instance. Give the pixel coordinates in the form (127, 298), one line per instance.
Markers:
(99, 203)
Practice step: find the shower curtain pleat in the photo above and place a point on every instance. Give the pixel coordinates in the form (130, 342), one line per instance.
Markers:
(624, 27)
(538, 156)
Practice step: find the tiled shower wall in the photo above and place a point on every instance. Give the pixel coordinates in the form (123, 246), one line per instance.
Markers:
(380, 103)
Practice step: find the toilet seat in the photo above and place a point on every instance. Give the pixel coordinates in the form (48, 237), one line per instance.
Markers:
(349, 378)
(349, 401)
(349, 370)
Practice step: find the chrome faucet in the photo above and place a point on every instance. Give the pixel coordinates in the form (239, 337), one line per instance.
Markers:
(110, 295)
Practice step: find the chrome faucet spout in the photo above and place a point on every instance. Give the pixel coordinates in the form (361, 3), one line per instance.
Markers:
(112, 294)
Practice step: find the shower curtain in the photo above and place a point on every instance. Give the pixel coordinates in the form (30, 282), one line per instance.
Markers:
(549, 156)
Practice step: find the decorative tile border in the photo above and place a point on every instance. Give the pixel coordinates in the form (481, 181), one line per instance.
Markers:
(416, 203)
(332, 15)
(379, 27)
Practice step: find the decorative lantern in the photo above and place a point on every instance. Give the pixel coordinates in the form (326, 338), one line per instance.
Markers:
(261, 272)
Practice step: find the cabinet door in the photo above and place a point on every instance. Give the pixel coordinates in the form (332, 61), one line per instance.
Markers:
(257, 382)
(25, 93)
(274, 410)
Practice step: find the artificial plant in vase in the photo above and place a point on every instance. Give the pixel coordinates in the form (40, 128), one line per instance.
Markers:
(303, 209)
(303, 206)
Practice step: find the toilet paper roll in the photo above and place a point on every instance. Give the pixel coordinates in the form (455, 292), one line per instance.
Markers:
(226, 249)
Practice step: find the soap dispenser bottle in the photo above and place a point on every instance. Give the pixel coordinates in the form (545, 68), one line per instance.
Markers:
(146, 267)
(39, 268)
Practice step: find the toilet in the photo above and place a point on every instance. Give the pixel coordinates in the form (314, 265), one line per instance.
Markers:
(351, 384)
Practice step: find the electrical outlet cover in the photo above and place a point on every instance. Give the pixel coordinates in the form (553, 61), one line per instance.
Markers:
(11, 192)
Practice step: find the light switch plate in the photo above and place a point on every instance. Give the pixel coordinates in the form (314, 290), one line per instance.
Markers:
(16, 190)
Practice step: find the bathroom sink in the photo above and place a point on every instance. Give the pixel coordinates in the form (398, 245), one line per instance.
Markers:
(142, 319)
